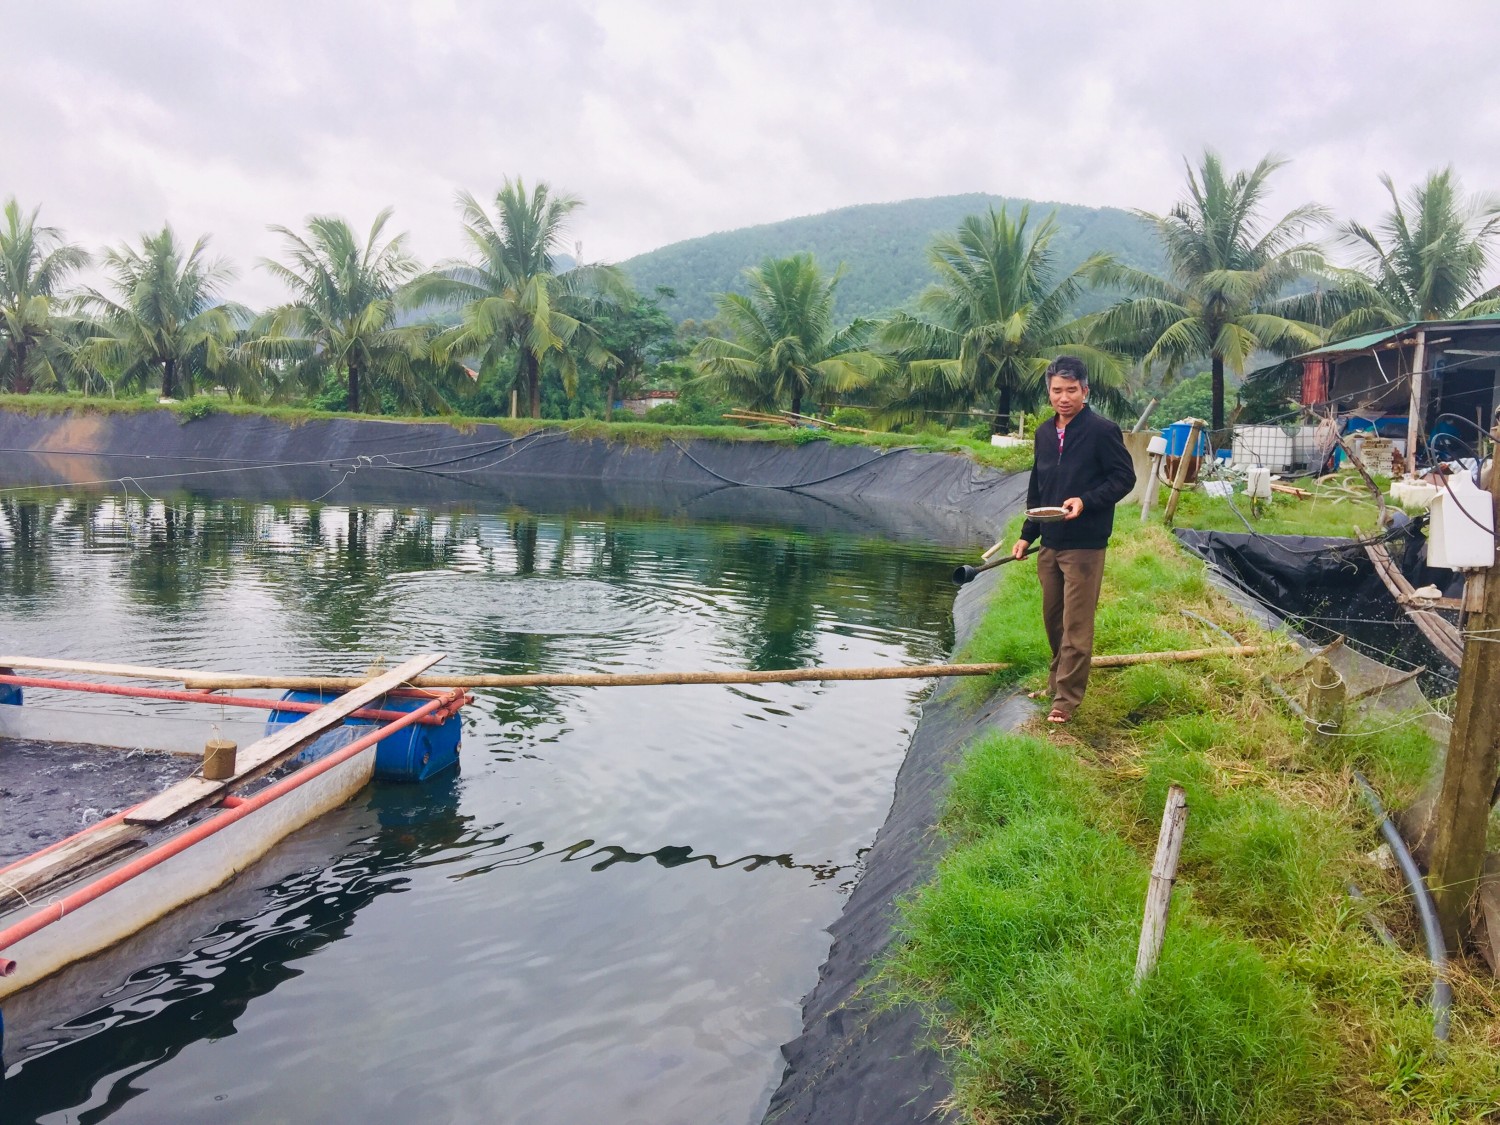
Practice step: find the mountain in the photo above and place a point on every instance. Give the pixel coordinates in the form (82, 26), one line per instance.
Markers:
(883, 247)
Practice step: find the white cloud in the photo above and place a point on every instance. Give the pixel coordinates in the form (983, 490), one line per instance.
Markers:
(672, 120)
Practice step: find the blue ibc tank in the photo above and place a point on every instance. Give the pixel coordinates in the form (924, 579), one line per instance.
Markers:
(413, 754)
(1177, 439)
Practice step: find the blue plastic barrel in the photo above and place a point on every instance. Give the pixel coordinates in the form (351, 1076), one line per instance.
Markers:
(1177, 439)
(414, 753)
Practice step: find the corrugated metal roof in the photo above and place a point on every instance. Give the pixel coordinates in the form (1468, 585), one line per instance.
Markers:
(1375, 339)
(1359, 343)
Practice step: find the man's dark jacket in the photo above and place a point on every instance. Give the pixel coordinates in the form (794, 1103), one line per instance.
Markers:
(1095, 466)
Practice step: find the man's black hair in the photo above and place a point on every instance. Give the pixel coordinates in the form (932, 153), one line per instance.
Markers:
(1069, 367)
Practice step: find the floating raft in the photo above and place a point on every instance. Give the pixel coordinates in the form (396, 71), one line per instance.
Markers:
(83, 894)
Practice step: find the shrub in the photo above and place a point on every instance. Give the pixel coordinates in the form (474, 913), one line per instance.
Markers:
(851, 416)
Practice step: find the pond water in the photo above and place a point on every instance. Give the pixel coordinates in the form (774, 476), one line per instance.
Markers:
(610, 914)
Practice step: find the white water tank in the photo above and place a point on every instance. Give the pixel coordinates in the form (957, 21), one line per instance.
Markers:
(1258, 482)
(1462, 535)
(1264, 445)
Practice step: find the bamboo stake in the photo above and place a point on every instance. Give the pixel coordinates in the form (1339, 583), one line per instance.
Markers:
(1325, 698)
(1163, 875)
(1195, 427)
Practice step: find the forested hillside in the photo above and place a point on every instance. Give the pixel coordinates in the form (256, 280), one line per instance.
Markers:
(883, 247)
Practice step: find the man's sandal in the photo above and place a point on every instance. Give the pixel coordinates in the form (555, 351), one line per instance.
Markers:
(1057, 716)
(1038, 694)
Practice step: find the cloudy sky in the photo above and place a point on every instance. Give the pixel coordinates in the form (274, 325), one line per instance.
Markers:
(675, 118)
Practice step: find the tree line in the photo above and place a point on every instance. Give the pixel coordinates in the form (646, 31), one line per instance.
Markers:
(1235, 288)
(517, 327)
(365, 327)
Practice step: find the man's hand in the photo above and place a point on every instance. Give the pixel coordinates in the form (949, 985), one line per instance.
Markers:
(1072, 507)
(1019, 548)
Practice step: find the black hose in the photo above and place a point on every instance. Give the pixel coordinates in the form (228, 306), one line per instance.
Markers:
(965, 574)
(1441, 999)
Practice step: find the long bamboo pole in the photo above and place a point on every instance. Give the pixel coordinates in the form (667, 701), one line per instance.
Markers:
(213, 681)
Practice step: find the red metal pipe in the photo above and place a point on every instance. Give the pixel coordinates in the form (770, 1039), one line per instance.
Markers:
(202, 830)
(197, 697)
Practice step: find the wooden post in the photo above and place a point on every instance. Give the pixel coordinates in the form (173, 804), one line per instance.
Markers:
(1472, 766)
(1414, 409)
(1325, 698)
(1163, 875)
(1196, 428)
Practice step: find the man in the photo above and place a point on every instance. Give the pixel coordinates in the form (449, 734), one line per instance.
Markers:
(1082, 467)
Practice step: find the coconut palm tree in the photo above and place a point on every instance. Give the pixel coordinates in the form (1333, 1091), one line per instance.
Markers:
(785, 346)
(1225, 275)
(1425, 261)
(166, 320)
(519, 312)
(997, 316)
(341, 322)
(34, 263)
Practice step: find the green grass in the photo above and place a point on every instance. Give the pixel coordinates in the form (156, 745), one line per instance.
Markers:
(1336, 506)
(640, 434)
(1272, 1002)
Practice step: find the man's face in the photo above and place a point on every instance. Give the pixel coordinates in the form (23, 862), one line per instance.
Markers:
(1067, 395)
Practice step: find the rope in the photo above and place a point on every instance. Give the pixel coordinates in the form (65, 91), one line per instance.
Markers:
(787, 487)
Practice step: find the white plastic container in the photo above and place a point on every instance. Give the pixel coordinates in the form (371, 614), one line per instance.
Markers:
(1462, 536)
(1258, 482)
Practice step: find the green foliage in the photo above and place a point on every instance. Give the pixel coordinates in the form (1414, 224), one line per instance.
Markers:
(1271, 394)
(35, 262)
(166, 321)
(521, 313)
(634, 335)
(999, 313)
(1427, 260)
(804, 435)
(194, 409)
(853, 416)
(342, 320)
(1192, 397)
(783, 346)
(1224, 277)
(884, 249)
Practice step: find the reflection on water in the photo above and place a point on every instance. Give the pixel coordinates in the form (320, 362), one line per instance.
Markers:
(611, 914)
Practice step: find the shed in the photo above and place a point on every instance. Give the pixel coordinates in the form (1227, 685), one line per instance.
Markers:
(1430, 378)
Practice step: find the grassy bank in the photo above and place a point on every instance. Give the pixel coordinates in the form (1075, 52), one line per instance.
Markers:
(645, 434)
(1272, 1002)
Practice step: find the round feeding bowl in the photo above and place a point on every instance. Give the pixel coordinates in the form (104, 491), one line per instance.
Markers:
(1047, 514)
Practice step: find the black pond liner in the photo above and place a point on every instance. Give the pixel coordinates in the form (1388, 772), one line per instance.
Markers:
(1325, 587)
